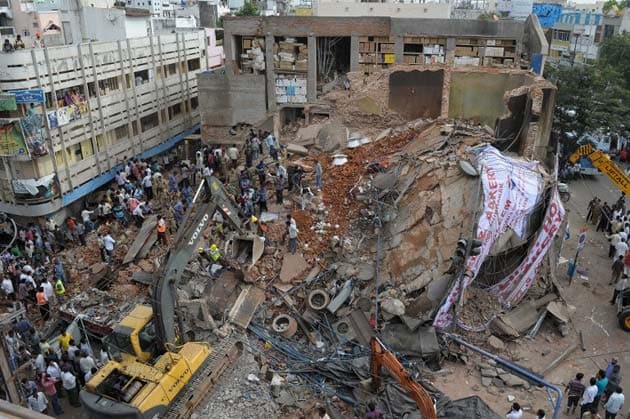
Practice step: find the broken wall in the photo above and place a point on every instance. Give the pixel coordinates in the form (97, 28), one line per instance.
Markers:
(478, 96)
(225, 101)
(416, 94)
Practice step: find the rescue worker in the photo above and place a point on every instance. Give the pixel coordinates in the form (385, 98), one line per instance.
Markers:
(215, 254)
(161, 231)
(60, 290)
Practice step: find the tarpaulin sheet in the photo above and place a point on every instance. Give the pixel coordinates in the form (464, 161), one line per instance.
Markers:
(511, 190)
(511, 289)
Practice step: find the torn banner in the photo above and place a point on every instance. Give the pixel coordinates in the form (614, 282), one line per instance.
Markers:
(511, 289)
(511, 190)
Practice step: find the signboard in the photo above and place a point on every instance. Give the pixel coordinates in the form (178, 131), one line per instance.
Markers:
(11, 138)
(581, 241)
(34, 134)
(63, 116)
(29, 96)
(7, 102)
(517, 9)
(548, 13)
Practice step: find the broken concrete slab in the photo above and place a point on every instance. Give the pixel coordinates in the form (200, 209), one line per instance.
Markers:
(146, 247)
(489, 372)
(297, 149)
(147, 228)
(143, 277)
(523, 317)
(393, 306)
(246, 305)
(513, 381)
(361, 326)
(307, 134)
(341, 297)
(293, 265)
(486, 381)
(496, 343)
(422, 342)
(332, 136)
(366, 272)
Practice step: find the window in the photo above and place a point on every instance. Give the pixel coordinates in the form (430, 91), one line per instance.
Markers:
(194, 102)
(86, 148)
(150, 121)
(193, 64)
(174, 110)
(561, 35)
(147, 337)
(121, 132)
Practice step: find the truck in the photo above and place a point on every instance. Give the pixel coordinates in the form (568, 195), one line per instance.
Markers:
(153, 369)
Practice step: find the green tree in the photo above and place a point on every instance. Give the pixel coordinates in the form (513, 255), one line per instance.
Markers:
(590, 98)
(248, 9)
(615, 52)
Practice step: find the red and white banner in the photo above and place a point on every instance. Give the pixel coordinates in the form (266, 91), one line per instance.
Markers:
(511, 190)
(511, 289)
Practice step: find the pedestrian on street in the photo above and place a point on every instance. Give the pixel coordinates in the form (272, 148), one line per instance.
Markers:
(601, 383)
(109, 243)
(147, 184)
(575, 390)
(617, 269)
(619, 287)
(60, 291)
(614, 379)
(293, 236)
(38, 402)
(596, 211)
(373, 412)
(161, 231)
(69, 382)
(48, 382)
(588, 398)
(318, 175)
(279, 187)
(611, 366)
(614, 404)
(515, 412)
(621, 248)
(42, 303)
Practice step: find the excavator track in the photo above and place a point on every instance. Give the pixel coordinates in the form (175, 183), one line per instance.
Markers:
(198, 390)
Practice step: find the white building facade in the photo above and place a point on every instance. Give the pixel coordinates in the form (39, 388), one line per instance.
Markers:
(102, 103)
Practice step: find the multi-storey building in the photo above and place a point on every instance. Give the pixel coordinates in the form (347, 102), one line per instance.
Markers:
(83, 109)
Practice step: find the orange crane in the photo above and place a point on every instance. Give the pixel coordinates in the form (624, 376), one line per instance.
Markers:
(602, 162)
(382, 357)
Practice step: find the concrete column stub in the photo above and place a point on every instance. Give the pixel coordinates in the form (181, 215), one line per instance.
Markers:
(270, 72)
(354, 52)
(399, 49)
(311, 83)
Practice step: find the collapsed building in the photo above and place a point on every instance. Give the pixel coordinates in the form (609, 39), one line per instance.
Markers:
(417, 155)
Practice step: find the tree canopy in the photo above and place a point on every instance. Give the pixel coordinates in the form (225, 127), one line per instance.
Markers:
(595, 96)
(248, 9)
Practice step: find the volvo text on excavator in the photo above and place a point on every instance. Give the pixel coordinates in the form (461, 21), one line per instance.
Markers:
(152, 367)
(602, 162)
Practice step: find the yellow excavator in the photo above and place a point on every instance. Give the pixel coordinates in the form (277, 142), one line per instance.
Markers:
(602, 162)
(152, 371)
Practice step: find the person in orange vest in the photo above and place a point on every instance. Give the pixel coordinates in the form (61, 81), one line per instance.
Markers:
(42, 303)
(161, 231)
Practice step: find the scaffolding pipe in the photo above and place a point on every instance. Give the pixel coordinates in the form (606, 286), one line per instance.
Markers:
(518, 370)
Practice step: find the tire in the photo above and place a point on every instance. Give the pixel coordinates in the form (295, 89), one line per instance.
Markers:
(624, 320)
(565, 196)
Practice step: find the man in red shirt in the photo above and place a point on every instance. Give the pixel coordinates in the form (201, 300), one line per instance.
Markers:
(48, 383)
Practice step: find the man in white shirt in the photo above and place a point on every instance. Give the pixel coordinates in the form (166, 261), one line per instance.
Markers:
(7, 287)
(86, 363)
(621, 248)
(53, 370)
(38, 402)
(515, 412)
(614, 404)
(48, 291)
(147, 184)
(109, 243)
(588, 397)
(85, 216)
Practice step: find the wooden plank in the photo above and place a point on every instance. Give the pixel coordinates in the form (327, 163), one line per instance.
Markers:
(147, 228)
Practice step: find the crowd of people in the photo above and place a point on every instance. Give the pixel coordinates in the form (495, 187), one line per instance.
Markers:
(602, 390)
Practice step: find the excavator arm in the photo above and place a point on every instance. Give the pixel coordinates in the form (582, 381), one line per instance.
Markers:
(187, 241)
(381, 357)
(602, 162)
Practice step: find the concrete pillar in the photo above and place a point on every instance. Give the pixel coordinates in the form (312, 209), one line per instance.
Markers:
(354, 52)
(446, 93)
(311, 83)
(449, 51)
(517, 55)
(270, 73)
(399, 49)
(228, 50)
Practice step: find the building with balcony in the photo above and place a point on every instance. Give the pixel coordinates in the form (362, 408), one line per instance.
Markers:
(71, 115)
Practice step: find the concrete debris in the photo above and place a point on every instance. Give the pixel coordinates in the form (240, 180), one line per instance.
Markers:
(496, 343)
(297, 149)
(393, 306)
(332, 136)
(293, 265)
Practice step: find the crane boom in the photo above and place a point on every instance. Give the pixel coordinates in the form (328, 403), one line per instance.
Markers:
(602, 162)
(381, 357)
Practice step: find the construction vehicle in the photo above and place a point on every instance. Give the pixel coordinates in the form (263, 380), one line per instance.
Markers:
(602, 162)
(381, 357)
(152, 369)
(623, 309)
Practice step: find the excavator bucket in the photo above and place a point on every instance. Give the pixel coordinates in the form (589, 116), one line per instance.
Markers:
(245, 249)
